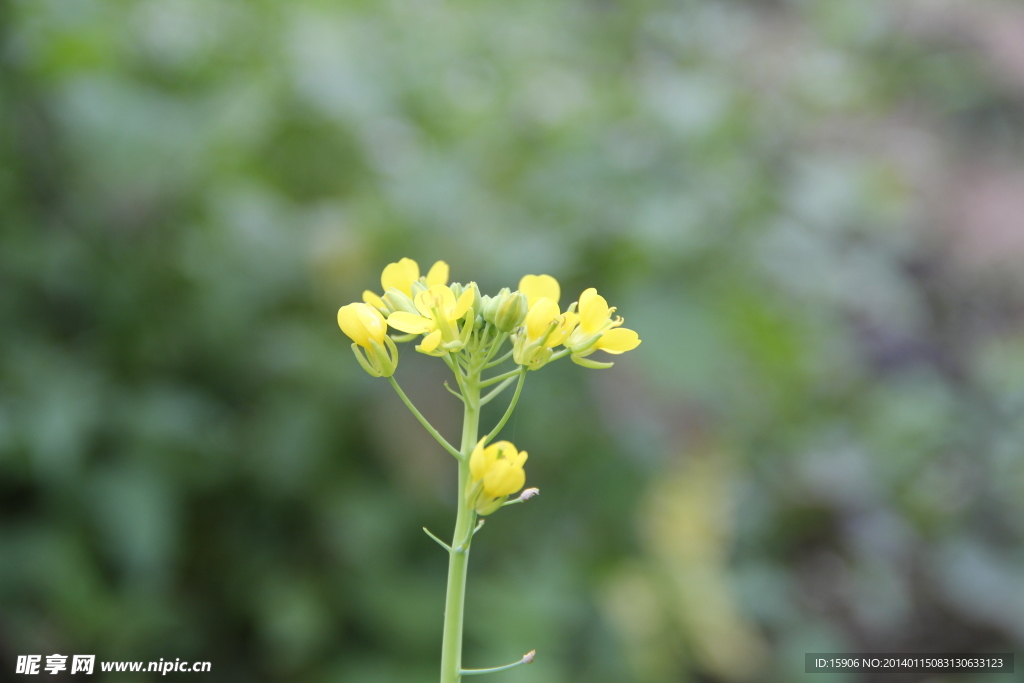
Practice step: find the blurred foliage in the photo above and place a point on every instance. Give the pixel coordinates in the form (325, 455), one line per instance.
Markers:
(811, 212)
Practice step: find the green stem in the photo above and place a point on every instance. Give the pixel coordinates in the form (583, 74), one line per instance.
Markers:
(496, 390)
(499, 378)
(511, 406)
(527, 659)
(495, 363)
(494, 349)
(451, 645)
(423, 421)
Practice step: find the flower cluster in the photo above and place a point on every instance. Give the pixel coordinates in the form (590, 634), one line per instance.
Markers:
(467, 329)
(447, 315)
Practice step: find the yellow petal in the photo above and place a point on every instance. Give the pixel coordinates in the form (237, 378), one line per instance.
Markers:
(362, 323)
(372, 299)
(594, 311)
(618, 340)
(540, 316)
(503, 449)
(438, 296)
(536, 287)
(430, 342)
(438, 274)
(566, 325)
(462, 305)
(503, 479)
(409, 322)
(400, 275)
(477, 462)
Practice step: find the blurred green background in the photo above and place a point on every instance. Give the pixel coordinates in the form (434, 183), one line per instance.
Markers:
(812, 212)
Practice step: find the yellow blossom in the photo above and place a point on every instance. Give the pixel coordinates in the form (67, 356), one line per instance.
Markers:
(438, 313)
(366, 327)
(496, 472)
(400, 276)
(544, 328)
(597, 330)
(362, 323)
(537, 287)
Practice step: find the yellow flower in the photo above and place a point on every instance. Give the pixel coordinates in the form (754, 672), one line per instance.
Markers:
(366, 327)
(537, 287)
(544, 328)
(496, 472)
(618, 341)
(597, 330)
(362, 323)
(401, 276)
(438, 313)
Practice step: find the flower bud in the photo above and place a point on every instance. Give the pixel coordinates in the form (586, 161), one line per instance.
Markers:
(490, 304)
(496, 472)
(395, 300)
(511, 312)
(374, 349)
(362, 323)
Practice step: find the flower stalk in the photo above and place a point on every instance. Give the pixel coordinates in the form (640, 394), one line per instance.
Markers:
(468, 332)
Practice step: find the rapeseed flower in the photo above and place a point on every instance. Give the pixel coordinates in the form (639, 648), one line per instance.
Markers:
(437, 315)
(537, 287)
(496, 472)
(404, 278)
(597, 330)
(373, 348)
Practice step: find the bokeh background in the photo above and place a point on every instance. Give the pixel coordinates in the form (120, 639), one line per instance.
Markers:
(812, 212)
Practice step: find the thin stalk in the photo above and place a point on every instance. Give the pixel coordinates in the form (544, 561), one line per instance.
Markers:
(493, 393)
(527, 658)
(451, 644)
(511, 406)
(495, 363)
(453, 365)
(499, 378)
(495, 346)
(453, 392)
(423, 421)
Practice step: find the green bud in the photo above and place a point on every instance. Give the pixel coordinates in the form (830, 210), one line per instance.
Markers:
(511, 312)
(490, 306)
(398, 301)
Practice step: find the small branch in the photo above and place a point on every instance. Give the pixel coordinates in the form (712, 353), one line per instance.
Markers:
(457, 371)
(453, 392)
(527, 658)
(494, 349)
(511, 406)
(447, 358)
(499, 378)
(461, 548)
(495, 363)
(497, 390)
(439, 541)
(523, 497)
(423, 421)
